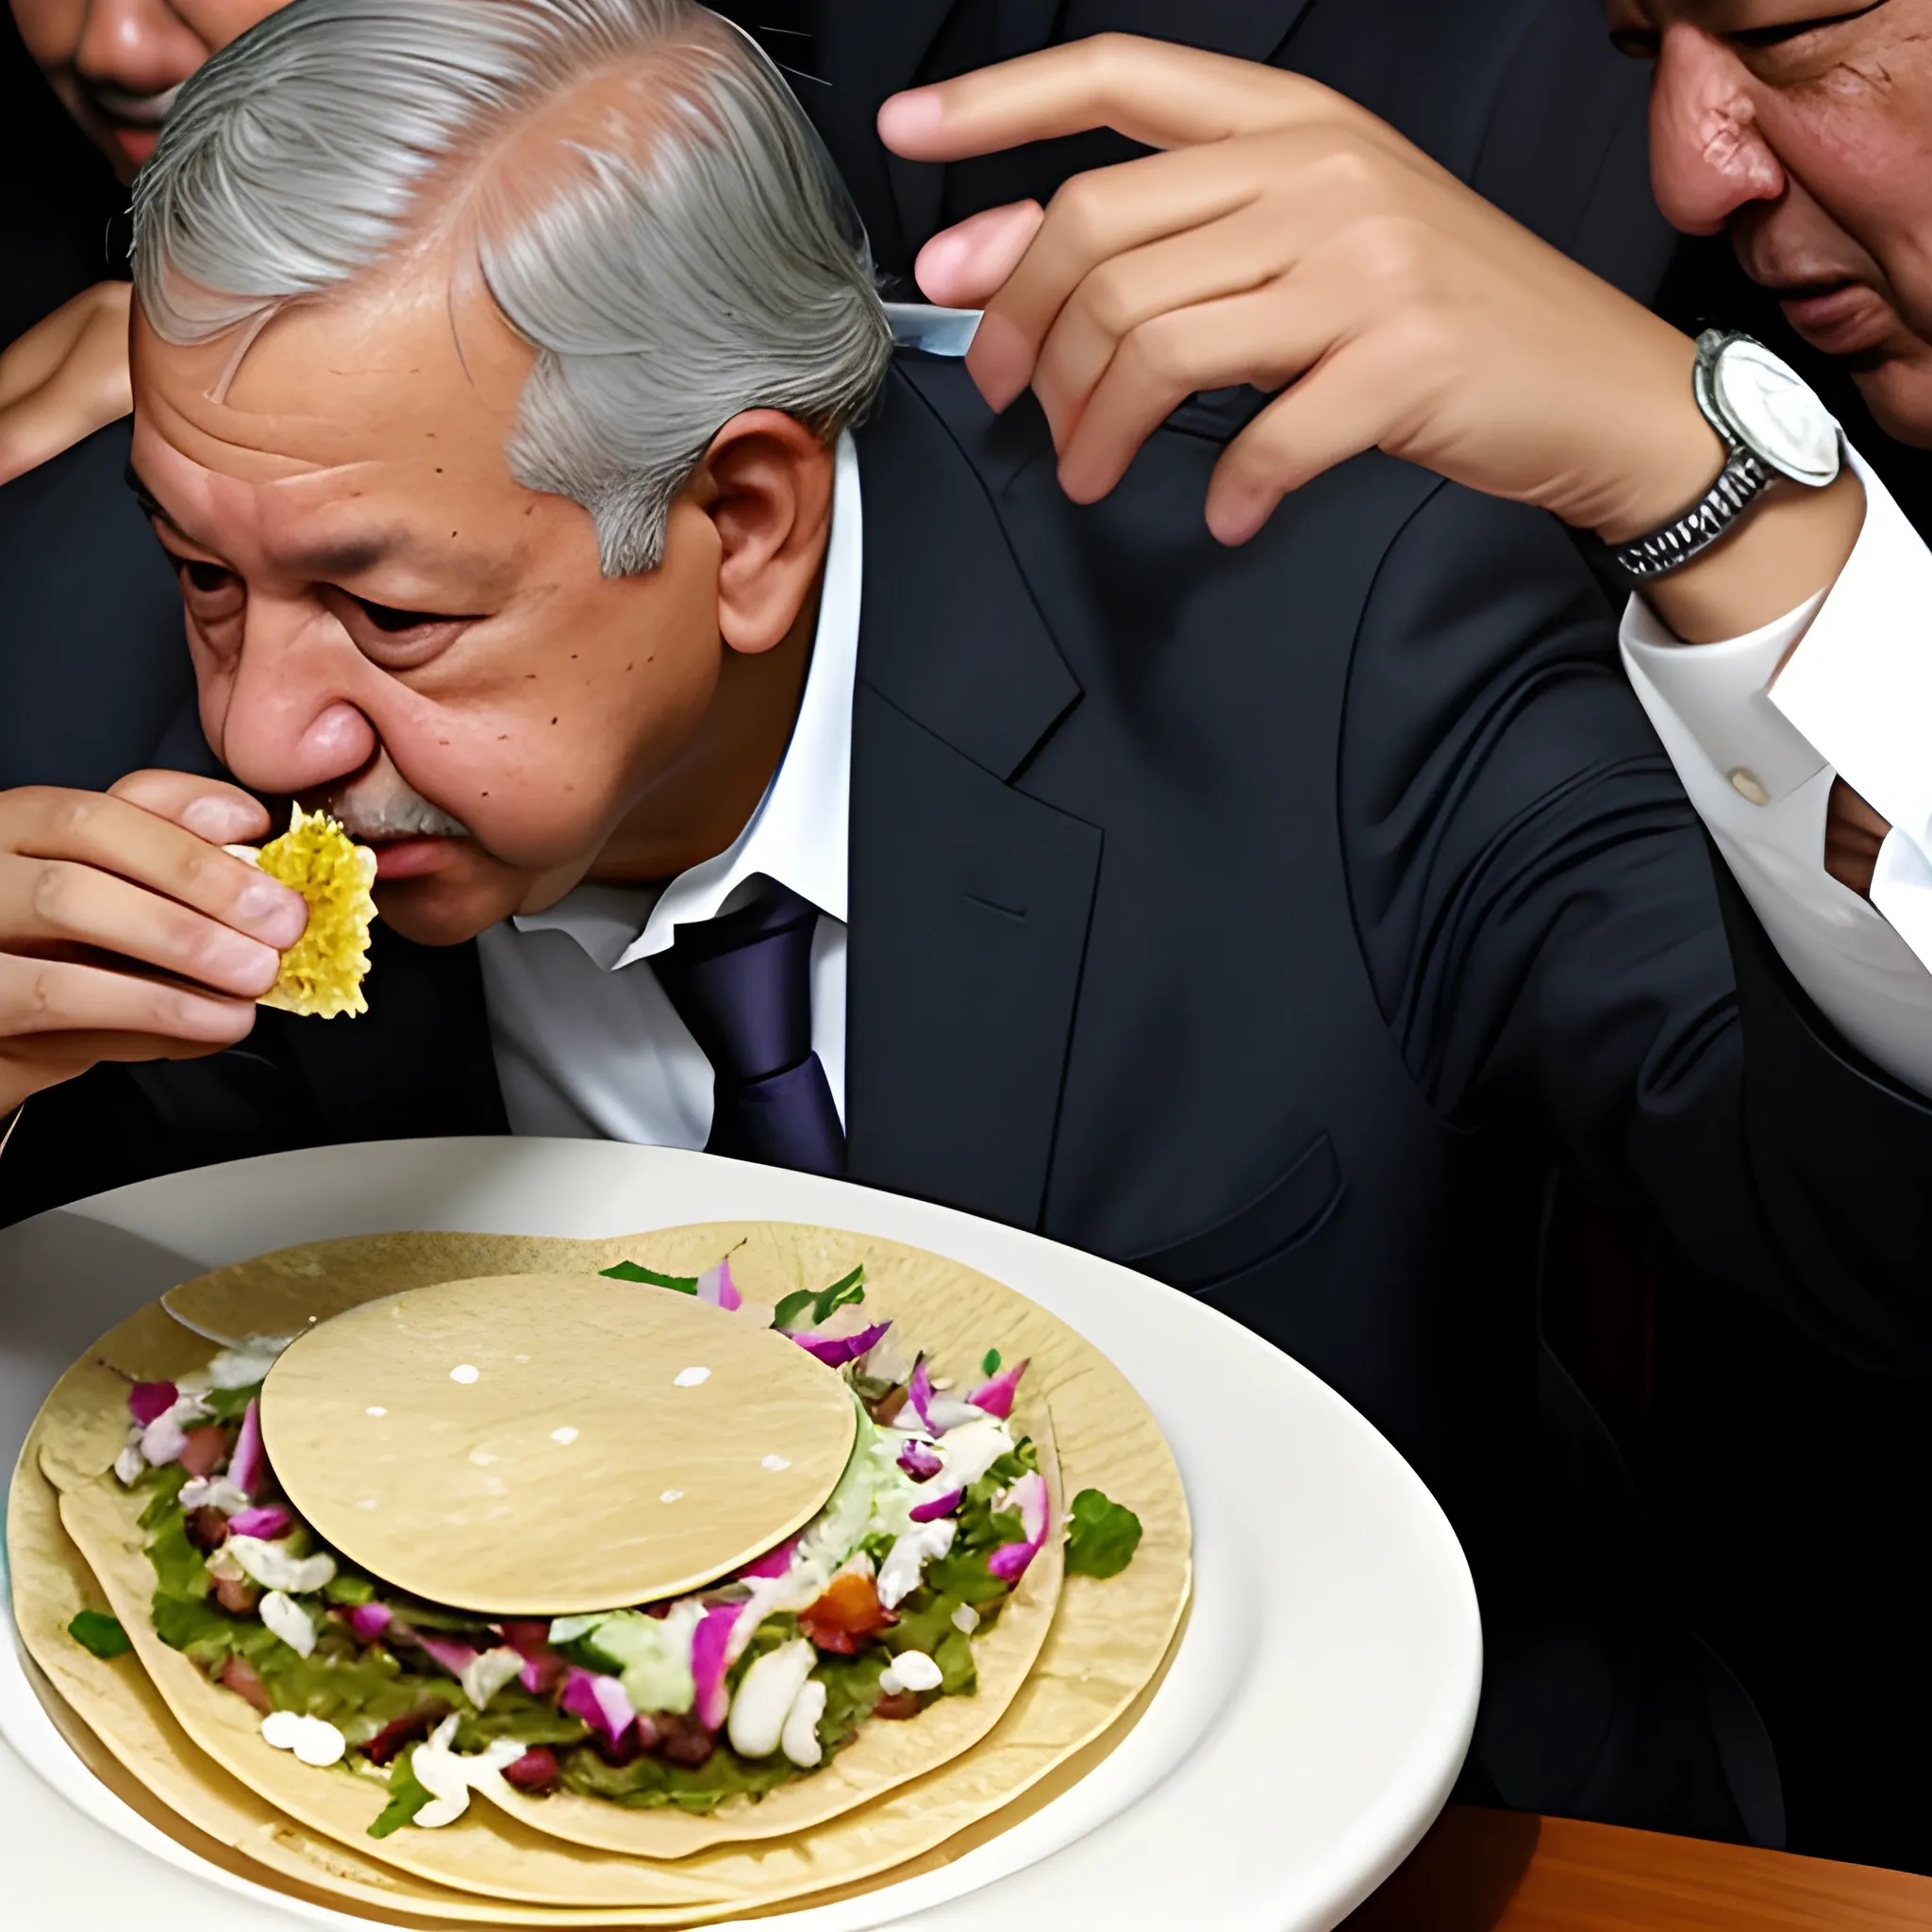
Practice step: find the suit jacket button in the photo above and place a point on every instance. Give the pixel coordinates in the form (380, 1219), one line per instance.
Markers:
(1749, 787)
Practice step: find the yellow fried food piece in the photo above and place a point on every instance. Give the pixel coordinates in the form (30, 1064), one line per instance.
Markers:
(321, 973)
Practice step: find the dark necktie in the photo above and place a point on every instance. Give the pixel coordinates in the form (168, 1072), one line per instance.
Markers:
(743, 985)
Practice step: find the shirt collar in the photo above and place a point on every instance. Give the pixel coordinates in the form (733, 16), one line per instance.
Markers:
(797, 834)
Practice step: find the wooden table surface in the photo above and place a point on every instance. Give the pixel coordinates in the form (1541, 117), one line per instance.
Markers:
(1506, 1872)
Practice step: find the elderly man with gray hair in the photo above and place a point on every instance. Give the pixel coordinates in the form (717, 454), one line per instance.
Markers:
(764, 752)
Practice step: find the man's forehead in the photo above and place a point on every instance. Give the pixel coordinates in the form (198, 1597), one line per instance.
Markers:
(407, 371)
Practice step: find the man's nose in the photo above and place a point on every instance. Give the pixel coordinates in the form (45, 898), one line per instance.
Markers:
(141, 46)
(289, 720)
(1708, 156)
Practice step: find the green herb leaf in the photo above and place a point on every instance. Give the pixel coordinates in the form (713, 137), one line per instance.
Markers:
(101, 1634)
(990, 1362)
(230, 1405)
(630, 1271)
(1102, 1536)
(852, 1288)
(407, 1796)
(347, 1587)
(787, 1313)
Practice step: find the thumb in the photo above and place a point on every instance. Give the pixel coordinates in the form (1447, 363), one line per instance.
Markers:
(967, 265)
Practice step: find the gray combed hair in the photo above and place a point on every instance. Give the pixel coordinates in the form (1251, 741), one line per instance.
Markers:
(692, 256)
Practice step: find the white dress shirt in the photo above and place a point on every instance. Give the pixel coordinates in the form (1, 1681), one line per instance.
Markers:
(1759, 726)
(586, 1041)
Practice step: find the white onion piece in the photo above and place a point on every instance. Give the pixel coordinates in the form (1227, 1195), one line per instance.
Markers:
(910, 1670)
(899, 1574)
(274, 1566)
(799, 1740)
(289, 1621)
(313, 1740)
(765, 1695)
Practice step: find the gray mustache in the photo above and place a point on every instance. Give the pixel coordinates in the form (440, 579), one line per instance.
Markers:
(410, 817)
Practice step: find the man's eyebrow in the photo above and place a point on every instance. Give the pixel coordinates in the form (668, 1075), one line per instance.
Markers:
(150, 504)
(1792, 30)
(345, 559)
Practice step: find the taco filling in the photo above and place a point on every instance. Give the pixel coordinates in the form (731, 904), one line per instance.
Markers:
(867, 1615)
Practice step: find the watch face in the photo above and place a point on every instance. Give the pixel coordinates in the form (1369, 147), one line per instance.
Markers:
(1777, 416)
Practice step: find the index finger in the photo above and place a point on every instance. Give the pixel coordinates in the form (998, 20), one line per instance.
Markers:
(1151, 91)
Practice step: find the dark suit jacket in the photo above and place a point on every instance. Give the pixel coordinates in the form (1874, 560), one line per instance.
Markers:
(1265, 919)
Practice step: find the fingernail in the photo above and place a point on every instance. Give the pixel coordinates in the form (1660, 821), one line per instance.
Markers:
(271, 912)
(220, 821)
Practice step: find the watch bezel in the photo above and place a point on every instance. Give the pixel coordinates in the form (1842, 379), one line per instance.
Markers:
(1712, 345)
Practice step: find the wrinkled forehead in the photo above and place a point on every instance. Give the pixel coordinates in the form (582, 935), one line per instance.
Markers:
(417, 370)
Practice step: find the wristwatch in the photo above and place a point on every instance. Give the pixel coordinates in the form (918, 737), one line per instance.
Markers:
(1771, 425)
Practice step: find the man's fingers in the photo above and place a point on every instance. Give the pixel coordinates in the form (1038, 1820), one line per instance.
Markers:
(965, 266)
(1336, 412)
(116, 836)
(56, 996)
(1148, 288)
(222, 814)
(1262, 338)
(1093, 219)
(1148, 90)
(57, 903)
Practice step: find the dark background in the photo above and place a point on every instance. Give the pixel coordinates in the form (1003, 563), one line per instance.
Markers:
(1788, 1491)
(62, 220)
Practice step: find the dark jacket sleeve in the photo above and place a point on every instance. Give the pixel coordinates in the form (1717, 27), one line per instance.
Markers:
(1542, 918)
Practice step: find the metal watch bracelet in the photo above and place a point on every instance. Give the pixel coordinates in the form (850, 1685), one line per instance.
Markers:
(1742, 479)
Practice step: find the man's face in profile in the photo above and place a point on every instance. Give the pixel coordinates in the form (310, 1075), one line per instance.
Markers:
(384, 622)
(1805, 128)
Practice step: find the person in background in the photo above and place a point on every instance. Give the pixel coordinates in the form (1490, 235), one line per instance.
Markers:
(90, 658)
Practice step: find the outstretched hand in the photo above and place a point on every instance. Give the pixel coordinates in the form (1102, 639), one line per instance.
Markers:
(65, 378)
(1285, 238)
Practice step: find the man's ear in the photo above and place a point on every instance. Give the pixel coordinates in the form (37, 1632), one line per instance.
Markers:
(766, 484)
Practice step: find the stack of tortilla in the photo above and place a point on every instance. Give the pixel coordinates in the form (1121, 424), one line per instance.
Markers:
(561, 1463)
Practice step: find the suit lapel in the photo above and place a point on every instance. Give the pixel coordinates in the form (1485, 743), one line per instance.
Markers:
(969, 900)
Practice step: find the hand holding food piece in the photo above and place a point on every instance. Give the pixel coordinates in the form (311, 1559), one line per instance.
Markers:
(65, 378)
(126, 932)
(323, 971)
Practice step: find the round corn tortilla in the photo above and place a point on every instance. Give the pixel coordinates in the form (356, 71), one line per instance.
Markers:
(158, 1772)
(530, 1445)
(1105, 1647)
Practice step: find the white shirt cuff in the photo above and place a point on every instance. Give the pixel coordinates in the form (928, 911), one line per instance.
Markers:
(1763, 787)
(1859, 684)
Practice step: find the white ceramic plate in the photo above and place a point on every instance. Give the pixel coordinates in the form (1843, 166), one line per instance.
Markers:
(1307, 1733)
